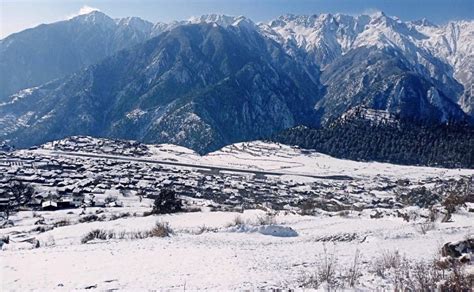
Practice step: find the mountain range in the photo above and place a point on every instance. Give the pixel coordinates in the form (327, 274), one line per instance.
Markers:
(215, 80)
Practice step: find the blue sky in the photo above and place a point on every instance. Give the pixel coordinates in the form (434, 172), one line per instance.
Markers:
(20, 14)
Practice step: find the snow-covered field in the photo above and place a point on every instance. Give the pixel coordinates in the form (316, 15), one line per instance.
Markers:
(253, 249)
(220, 258)
(260, 155)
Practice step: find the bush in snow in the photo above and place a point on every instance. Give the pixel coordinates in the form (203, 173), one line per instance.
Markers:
(237, 221)
(61, 223)
(167, 202)
(110, 199)
(161, 229)
(307, 207)
(120, 215)
(328, 267)
(421, 197)
(203, 229)
(326, 272)
(354, 272)
(268, 219)
(451, 203)
(97, 234)
(442, 274)
(89, 218)
(425, 226)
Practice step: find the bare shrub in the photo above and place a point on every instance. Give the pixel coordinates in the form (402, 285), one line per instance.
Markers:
(97, 234)
(433, 215)
(138, 234)
(425, 226)
(354, 272)
(326, 271)
(310, 281)
(451, 203)
(110, 199)
(267, 219)
(343, 213)
(237, 221)
(118, 216)
(445, 274)
(89, 218)
(307, 207)
(121, 234)
(424, 276)
(453, 275)
(161, 229)
(203, 229)
(61, 223)
(386, 261)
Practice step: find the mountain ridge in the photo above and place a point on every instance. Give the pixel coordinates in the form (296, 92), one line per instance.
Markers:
(176, 87)
(216, 79)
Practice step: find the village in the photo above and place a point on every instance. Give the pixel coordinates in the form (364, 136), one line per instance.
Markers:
(68, 181)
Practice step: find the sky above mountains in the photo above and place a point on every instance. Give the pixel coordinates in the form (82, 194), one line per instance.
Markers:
(16, 15)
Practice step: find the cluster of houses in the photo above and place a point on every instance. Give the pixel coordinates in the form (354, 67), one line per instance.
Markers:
(75, 182)
(106, 146)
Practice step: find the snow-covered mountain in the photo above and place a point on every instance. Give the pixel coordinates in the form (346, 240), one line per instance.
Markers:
(216, 79)
(199, 85)
(444, 54)
(49, 51)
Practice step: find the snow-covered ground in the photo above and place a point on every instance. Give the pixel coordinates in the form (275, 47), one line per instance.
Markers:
(220, 258)
(225, 250)
(272, 156)
(269, 156)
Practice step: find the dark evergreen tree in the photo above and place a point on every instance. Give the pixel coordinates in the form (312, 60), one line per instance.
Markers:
(167, 202)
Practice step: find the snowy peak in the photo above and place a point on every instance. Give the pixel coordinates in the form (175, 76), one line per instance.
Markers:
(376, 29)
(100, 19)
(135, 23)
(301, 20)
(442, 54)
(95, 17)
(223, 20)
(423, 22)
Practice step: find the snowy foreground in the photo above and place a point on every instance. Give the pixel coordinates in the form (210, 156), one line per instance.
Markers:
(220, 258)
(356, 224)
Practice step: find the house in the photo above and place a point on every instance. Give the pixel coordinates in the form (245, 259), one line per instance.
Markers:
(66, 202)
(49, 205)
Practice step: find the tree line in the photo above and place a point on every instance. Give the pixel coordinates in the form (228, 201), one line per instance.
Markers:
(449, 146)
